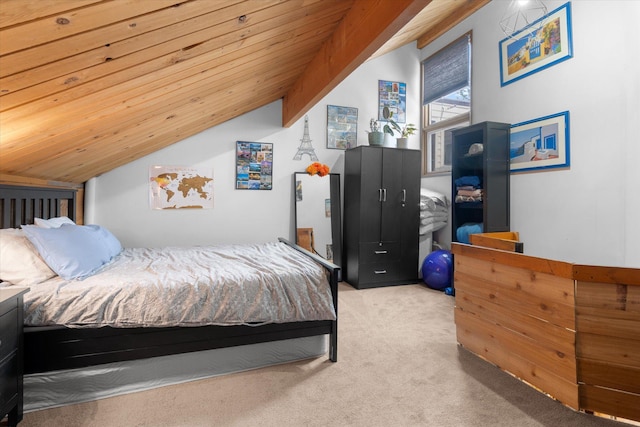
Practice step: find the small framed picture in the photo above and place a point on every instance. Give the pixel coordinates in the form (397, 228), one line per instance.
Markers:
(392, 96)
(540, 143)
(541, 44)
(342, 127)
(254, 165)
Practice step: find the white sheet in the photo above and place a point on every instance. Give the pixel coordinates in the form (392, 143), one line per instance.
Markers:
(66, 387)
(188, 286)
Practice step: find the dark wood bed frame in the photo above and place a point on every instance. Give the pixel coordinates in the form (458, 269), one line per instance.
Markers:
(57, 347)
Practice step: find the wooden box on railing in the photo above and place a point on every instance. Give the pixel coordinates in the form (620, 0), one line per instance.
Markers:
(503, 240)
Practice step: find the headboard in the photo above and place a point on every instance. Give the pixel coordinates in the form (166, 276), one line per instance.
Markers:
(20, 205)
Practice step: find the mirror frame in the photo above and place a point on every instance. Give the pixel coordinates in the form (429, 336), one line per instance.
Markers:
(336, 214)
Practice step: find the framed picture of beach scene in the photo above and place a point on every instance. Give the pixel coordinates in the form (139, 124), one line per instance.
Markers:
(540, 143)
(541, 44)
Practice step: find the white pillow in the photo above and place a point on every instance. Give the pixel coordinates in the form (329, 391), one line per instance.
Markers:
(20, 262)
(53, 222)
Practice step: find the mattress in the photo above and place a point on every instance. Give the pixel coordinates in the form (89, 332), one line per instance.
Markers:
(242, 284)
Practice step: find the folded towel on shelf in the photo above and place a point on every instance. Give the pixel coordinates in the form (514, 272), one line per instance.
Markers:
(468, 199)
(466, 187)
(470, 193)
(468, 180)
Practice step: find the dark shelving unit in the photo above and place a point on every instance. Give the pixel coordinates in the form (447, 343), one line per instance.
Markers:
(491, 166)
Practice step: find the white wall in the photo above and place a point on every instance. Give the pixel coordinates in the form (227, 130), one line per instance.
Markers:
(119, 201)
(588, 213)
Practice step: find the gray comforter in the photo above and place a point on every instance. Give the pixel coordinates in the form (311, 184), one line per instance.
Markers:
(188, 286)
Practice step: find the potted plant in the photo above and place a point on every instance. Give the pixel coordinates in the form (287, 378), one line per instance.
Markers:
(376, 136)
(408, 129)
(392, 126)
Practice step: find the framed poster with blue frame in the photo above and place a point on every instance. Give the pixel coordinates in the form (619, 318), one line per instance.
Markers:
(541, 44)
(540, 143)
(254, 165)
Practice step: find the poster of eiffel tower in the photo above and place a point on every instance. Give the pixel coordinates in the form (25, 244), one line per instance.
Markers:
(305, 144)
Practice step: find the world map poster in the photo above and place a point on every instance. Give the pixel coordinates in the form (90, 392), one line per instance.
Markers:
(178, 187)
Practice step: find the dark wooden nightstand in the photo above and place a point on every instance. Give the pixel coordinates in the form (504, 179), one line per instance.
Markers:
(11, 367)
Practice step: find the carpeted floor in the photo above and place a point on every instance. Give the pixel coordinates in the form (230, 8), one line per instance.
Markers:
(398, 365)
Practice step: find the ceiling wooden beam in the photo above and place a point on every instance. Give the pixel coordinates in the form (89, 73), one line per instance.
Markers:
(367, 26)
(448, 22)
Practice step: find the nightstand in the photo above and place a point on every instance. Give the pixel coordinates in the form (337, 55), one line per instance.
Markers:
(11, 368)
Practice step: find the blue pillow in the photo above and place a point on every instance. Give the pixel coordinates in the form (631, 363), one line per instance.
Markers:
(111, 243)
(74, 251)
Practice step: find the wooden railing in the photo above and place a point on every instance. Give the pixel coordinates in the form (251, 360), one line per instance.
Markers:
(608, 339)
(571, 331)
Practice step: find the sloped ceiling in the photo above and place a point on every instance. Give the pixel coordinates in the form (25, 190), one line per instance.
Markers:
(90, 85)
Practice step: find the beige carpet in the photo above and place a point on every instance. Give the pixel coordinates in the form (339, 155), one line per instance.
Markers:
(398, 365)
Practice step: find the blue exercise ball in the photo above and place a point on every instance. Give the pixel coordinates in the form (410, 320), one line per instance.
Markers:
(437, 269)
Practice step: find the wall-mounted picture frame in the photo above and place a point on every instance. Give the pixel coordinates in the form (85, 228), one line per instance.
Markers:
(540, 143)
(541, 44)
(392, 95)
(254, 165)
(180, 187)
(342, 127)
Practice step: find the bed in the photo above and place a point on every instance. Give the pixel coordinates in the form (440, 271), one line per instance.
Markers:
(76, 345)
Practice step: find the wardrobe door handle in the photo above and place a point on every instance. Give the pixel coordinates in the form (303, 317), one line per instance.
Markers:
(384, 194)
(404, 195)
(380, 252)
(380, 194)
(380, 271)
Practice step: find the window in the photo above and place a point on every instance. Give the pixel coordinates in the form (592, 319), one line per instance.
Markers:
(446, 102)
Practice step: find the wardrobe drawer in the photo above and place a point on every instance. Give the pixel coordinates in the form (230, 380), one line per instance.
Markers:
(376, 252)
(8, 332)
(381, 272)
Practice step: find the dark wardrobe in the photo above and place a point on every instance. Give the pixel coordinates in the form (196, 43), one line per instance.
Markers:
(381, 216)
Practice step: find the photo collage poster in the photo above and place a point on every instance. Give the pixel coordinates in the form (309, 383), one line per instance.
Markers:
(392, 95)
(254, 165)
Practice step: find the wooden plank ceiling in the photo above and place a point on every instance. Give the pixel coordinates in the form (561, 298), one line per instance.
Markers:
(89, 85)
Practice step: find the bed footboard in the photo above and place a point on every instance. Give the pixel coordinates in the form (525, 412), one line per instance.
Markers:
(334, 276)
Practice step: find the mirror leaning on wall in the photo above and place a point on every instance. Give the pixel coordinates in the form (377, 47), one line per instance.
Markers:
(317, 214)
